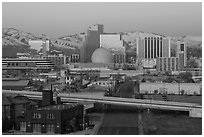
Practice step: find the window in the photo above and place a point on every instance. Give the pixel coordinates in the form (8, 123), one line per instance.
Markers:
(36, 115)
(50, 116)
(182, 47)
(36, 127)
(22, 126)
(50, 128)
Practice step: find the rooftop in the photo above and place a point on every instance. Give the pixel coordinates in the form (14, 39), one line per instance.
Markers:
(15, 83)
(59, 107)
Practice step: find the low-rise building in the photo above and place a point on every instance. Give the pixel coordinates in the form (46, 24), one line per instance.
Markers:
(58, 60)
(14, 107)
(53, 118)
(23, 66)
(14, 84)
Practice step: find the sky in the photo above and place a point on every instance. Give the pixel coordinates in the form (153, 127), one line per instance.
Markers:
(57, 19)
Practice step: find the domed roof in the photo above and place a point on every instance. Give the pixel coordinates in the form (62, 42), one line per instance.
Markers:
(102, 55)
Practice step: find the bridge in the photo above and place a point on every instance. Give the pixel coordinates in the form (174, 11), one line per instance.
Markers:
(194, 110)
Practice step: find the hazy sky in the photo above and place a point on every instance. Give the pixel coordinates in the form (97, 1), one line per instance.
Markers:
(61, 19)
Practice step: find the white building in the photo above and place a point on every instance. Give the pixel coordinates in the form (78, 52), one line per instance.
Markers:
(112, 42)
(40, 44)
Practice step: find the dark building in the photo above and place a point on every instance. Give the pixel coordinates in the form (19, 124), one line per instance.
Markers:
(13, 108)
(50, 118)
(126, 89)
(75, 58)
(54, 119)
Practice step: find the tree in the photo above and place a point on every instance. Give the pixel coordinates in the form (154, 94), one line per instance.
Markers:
(169, 79)
(186, 77)
(191, 63)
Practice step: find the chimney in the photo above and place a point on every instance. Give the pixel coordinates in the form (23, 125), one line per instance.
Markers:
(47, 97)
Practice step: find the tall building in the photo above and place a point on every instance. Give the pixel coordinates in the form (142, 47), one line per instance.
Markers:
(153, 47)
(91, 42)
(182, 51)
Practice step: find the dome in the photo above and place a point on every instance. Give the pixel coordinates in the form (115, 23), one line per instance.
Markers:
(102, 55)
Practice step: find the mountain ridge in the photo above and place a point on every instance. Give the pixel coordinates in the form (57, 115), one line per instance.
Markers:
(15, 37)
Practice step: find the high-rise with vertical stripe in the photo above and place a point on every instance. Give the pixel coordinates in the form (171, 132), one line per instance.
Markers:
(153, 47)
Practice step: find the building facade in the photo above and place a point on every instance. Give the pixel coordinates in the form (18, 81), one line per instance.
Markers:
(58, 60)
(23, 66)
(112, 42)
(91, 42)
(52, 118)
(119, 58)
(40, 45)
(182, 51)
(168, 64)
(75, 58)
(71, 80)
(153, 47)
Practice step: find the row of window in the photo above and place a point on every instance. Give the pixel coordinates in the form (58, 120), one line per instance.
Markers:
(38, 116)
(103, 83)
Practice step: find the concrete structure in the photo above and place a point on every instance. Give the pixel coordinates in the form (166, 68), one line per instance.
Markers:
(39, 45)
(15, 84)
(168, 64)
(164, 64)
(153, 47)
(14, 107)
(22, 66)
(148, 63)
(72, 80)
(166, 105)
(91, 42)
(102, 55)
(52, 118)
(172, 88)
(58, 60)
(182, 51)
(119, 58)
(75, 58)
(113, 42)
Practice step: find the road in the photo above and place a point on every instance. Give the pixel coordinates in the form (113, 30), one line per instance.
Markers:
(119, 120)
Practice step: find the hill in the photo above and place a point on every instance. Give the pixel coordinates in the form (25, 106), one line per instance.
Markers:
(16, 39)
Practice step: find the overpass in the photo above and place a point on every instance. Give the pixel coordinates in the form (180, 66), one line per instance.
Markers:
(194, 110)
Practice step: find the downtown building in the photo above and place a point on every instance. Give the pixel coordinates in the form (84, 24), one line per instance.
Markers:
(153, 47)
(114, 43)
(91, 42)
(181, 52)
(177, 64)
